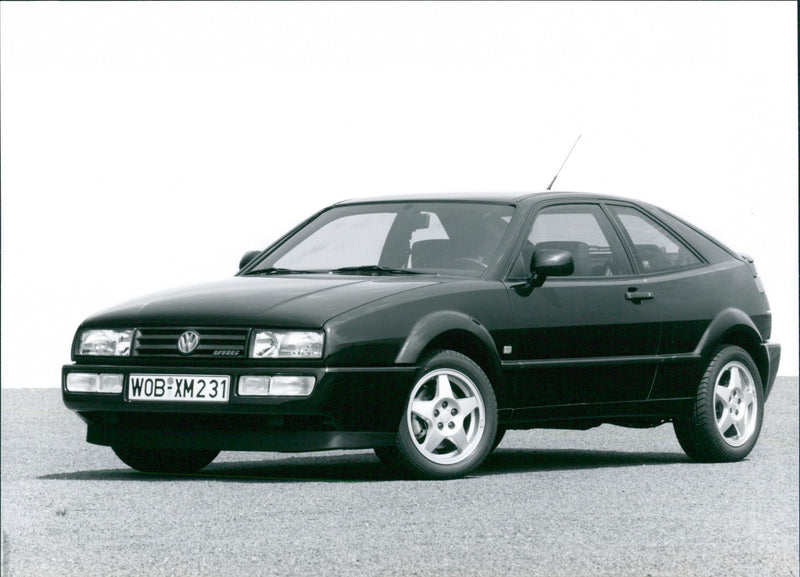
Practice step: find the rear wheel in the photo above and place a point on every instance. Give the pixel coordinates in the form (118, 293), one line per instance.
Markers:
(450, 419)
(165, 460)
(728, 410)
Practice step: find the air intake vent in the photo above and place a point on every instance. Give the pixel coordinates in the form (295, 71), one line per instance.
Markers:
(213, 343)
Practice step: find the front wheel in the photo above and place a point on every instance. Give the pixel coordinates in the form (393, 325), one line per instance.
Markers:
(498, 438)
(165, 460)
(728, 410)
(450, 419)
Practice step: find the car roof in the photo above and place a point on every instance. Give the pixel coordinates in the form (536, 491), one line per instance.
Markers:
(501, 197)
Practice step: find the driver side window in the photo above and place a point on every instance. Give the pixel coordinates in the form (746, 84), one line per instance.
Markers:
(584, 231)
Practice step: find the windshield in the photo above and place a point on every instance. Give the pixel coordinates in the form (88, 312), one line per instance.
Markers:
(458, 238)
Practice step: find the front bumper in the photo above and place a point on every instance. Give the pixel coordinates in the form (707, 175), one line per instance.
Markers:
(350, 408)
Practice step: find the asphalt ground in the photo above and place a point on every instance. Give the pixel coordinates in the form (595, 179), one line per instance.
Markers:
(609, 501)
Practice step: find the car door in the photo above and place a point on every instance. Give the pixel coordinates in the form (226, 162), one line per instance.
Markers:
(689, 293)
(591, 337)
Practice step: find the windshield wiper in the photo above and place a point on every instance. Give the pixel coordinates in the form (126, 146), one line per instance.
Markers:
(278, 270)
(374, 269)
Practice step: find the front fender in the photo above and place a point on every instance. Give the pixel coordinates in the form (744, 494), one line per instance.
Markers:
(437, 323)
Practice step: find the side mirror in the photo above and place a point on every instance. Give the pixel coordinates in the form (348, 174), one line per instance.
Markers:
(547, 262)
(248, 258)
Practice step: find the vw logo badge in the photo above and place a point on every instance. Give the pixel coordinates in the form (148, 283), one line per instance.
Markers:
(188, 342)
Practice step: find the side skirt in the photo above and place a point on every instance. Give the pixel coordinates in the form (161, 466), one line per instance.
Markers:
(639, 414)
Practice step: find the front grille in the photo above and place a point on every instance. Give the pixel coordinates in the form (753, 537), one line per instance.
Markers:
(214, 343)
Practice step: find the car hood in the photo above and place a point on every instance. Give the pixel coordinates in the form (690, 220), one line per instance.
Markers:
(297, 301)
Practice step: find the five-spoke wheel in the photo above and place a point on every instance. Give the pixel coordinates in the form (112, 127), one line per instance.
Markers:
(735, 404)
(446, 416)
(728, 410)
(450, 419)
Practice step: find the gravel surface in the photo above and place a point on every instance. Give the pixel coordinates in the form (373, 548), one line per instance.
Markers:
(610, 501)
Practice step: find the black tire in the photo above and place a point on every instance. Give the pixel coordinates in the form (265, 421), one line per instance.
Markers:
(165, 460)
(450, 419)
(498, 437)
(728, 410)
(389, 456)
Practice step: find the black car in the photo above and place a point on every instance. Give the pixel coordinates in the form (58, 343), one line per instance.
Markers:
(425, 327)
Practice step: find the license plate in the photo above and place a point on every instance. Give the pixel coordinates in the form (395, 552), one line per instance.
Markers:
(192, 388)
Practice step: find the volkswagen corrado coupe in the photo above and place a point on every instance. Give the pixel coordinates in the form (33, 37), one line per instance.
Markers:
(424, 328)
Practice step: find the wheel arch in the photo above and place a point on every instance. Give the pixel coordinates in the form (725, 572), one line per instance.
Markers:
(458, 332)
(734, 327)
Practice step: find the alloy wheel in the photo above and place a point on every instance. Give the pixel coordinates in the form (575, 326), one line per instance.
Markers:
(446, 416)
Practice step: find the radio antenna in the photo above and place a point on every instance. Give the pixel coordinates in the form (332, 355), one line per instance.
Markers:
(563, 163)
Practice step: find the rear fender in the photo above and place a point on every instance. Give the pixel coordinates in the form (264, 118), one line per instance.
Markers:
(733, 326)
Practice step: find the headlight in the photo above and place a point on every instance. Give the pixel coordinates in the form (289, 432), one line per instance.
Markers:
(110, 343)
(287, 345)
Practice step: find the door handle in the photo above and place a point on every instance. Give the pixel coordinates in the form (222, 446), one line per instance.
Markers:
(635, 296)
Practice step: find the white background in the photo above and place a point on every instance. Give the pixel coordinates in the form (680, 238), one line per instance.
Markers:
(147, 146)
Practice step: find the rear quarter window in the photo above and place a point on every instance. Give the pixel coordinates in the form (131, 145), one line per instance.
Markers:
(712, 250)
(655, 248)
